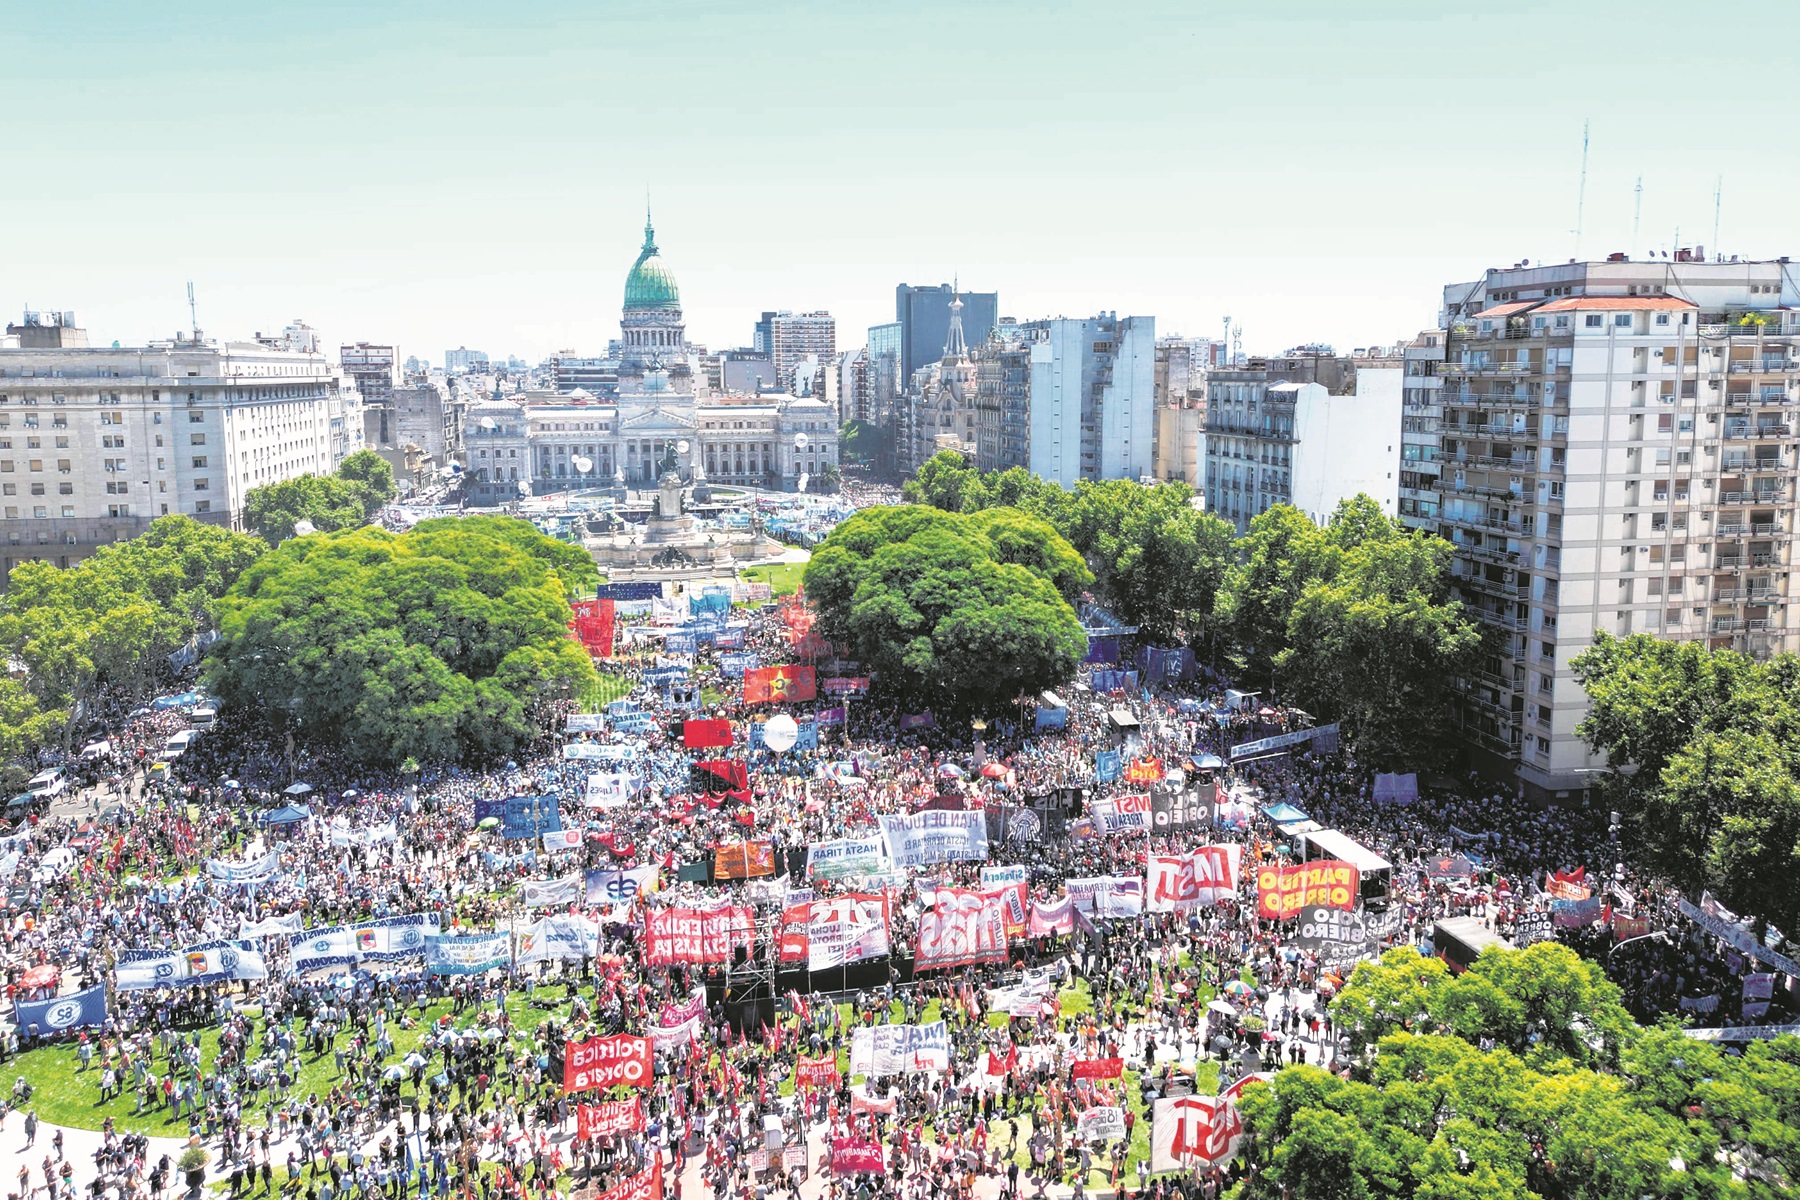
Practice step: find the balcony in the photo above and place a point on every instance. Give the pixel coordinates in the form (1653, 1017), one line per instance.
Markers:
(1506, 621)
(1510, 528)
(1765, 559)
(1728, 595)
(1494, 552)
(1728, 562)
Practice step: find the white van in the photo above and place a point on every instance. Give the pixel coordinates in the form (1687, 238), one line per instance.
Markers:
(203, 718)
(179, 743)
(47, 785)
(95, 751)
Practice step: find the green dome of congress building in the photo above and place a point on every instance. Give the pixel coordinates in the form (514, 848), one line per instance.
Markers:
(650, 287)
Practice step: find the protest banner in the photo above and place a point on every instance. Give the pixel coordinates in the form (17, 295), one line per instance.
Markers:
(1206, 876)
(1123, 814)
(1283, 891)
(935, 836)
(603, 1062)
(609, 1117)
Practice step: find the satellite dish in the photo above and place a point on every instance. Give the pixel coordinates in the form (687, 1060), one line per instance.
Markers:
(583, 463)
(780, 733)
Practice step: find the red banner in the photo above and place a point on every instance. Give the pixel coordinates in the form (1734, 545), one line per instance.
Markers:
(645, 1185)
(856, 1156)
(1145, 770)
(780, 685)
(796, 927)
(821, 1072)
(1284, 891)
(846, 685)
(612, 1116)
(861, 1103)
(744, 860)
(692, 936)
(1013, 901)
(603, 1062)
(700, 735)
(1099, 1068)
(963, 927)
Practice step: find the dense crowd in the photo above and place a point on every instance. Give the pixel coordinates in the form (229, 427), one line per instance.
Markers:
(380, 1077)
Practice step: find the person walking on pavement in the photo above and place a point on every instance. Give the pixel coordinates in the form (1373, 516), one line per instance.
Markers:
(30, 1128)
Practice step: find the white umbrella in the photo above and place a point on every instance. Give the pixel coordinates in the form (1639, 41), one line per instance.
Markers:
(297, 789)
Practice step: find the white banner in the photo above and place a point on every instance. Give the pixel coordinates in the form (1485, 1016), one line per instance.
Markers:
(935, 836)
(962, 927)
(609, 789)
(1122, 814)
(286, 923)
(1207, 876)
(845, 930)
(553, 893)
(1100, 1125)
(257, 870)
(899, 1049)
(846, 858)
(207, 962)
(1191, 1131)
(565, 938)
(562, 839)
(674, 1035)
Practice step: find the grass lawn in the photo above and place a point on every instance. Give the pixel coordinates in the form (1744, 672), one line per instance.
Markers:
(783, 578)
(606, 689)
(67, 1095)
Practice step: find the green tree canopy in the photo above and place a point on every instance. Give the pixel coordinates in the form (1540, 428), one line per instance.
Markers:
(445, 643)
(1157, 559)
(110, 621)
(1707, 743)
(1353, 620)
(363, 483)
(962, 612)
(1542, 999)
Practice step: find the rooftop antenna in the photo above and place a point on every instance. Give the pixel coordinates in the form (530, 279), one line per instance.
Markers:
(1237, 344)
(193, 319)
(1637, 214)
(1581, 191)
(1718, 197)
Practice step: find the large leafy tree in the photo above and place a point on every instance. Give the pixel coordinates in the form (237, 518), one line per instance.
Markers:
(1157, 559)
(448, 642)
(110, 622)
(965, 613)
(1706, 744)
(363, 483)
(1353, 620)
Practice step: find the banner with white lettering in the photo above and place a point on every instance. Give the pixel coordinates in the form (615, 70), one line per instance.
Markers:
(1207, 876)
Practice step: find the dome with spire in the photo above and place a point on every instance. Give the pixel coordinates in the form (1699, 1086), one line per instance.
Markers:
(650, 287)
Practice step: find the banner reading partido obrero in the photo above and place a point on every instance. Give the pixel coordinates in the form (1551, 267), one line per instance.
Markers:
(1284, 891)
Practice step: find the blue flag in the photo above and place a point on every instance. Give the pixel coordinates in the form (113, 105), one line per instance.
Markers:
(1106, 766)
(86, 1007)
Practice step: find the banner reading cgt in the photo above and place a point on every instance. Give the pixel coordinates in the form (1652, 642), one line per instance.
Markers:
(604, 1062)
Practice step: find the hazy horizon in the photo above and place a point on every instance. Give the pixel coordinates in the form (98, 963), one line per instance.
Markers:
(462, 175)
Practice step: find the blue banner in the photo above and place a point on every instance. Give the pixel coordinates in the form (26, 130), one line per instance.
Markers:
(529, 817)
(1102, 650)
(681, 643)
(730, 639)
(711, 600)
(616, 707)
(1052, 718)
(735, 665)
(663, 676)
(635, 722)
(46, 1017)
(630, 591)
(1107, 766)
(467, 955)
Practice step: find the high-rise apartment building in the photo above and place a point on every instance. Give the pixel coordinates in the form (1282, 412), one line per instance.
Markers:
(1310, 429)
(794, 337)
(1093, 398)
(1618, 454)
(464, 359)
(1003, 399)
(1421, 435)
(887, 378)
(372, 368)
(923, 314)
(95, 443)
(1181, 369)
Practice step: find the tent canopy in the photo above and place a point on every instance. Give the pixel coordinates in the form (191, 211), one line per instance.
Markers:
(288, 814)
(1283, 813)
